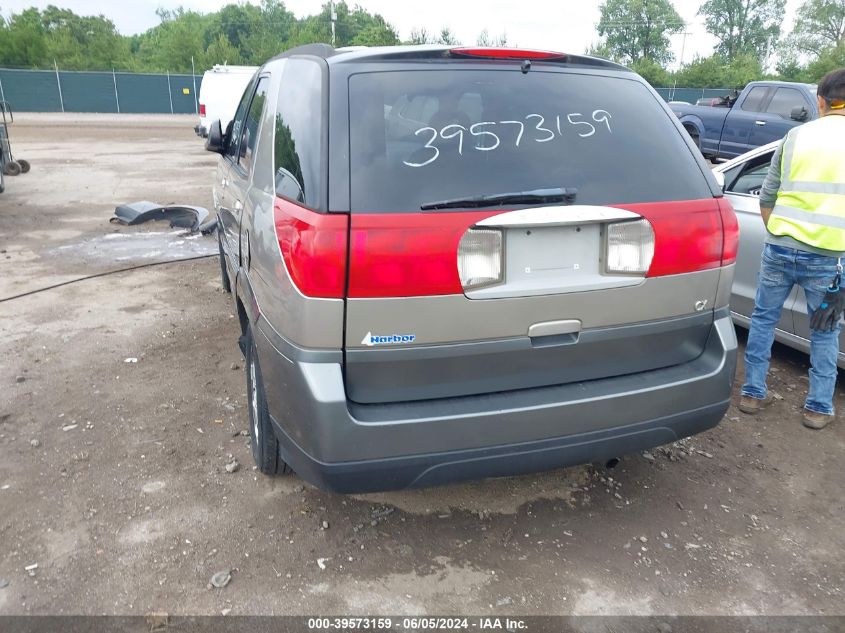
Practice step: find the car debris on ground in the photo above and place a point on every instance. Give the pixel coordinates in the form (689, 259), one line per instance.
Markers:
(182, 216)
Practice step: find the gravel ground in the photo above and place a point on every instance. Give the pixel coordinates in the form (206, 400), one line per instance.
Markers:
(114, 479)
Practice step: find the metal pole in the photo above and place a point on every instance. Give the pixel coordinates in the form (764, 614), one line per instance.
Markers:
(59, 85)
(334, 19)
(170, 92)
(116, 97)
(680, 64)
(194, 77)
(683, 48)
(2, 96)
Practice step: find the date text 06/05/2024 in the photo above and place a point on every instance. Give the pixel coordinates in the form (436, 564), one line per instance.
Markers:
(416, 623)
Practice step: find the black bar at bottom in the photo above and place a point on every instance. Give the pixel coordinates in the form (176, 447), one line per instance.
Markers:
(162, 623)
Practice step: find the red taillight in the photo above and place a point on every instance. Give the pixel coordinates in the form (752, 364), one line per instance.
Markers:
(688, 236)
(408, 254)
(313, 246)
(506, 53)
(202, 109)
(731, 228)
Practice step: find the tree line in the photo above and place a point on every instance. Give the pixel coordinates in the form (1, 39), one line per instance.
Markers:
(749, 35)
(633, 32)
(236, 34)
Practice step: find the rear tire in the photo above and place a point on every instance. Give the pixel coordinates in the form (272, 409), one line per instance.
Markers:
(25, 166)
(263, 441)
(224, 274)
(12, 168)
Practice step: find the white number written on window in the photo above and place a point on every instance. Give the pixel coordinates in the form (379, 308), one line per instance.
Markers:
(486, 136)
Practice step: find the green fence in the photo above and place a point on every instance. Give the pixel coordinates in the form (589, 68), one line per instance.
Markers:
(71, 91)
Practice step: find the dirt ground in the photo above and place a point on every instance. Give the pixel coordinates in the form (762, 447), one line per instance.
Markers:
(113, 478)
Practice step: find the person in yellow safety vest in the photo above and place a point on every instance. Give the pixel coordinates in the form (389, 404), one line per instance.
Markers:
(802, 204)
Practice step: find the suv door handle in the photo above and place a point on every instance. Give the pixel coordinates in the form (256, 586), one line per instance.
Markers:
(759, 123)
(238, 205)
(223, 183)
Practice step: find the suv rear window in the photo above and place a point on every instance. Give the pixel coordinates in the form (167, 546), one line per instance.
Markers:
(429, 135)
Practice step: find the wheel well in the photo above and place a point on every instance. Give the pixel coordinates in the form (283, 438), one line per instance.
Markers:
(691, 130)
(243, 319)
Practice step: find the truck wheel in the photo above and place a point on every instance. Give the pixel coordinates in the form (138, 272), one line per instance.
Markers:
(224, 274)
(2, 182)
(12, 168)
(25, 166)
(265, 445)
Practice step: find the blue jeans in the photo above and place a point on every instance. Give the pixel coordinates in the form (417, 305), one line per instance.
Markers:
(781, 268)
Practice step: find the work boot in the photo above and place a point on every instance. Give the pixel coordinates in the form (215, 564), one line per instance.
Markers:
(751, 405)
(816, 420)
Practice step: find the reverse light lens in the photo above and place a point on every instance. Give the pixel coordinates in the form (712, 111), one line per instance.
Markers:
(630, 247)
(480, 258)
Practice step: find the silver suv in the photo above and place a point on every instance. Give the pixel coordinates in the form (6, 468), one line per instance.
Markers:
(455, 263)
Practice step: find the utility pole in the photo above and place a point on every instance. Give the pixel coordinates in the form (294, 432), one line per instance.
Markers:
(680, 63)
(334, 19)
(683, 48)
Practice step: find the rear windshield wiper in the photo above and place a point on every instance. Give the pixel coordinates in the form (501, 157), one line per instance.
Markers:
(564, 195)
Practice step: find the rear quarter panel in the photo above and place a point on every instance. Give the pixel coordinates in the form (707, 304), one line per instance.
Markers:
(306, 322)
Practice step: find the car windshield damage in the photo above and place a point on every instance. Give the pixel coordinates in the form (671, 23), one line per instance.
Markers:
(420, 136)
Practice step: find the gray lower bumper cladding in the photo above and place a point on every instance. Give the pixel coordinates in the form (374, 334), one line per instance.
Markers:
(344, 447)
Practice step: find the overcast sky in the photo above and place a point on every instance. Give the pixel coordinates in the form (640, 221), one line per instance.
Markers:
(562, 25)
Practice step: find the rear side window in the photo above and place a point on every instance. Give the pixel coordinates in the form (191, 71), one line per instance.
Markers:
(299, 130)
(754, 100)
(422, 136)
(251, 123)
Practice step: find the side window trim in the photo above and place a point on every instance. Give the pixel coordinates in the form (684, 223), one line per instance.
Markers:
(236, 159)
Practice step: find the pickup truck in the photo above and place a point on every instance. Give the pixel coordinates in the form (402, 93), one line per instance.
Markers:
(763, 112)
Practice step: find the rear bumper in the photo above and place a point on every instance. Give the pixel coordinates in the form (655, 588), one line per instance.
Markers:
(341, 446)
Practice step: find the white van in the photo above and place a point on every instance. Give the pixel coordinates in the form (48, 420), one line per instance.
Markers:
(220, 93)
